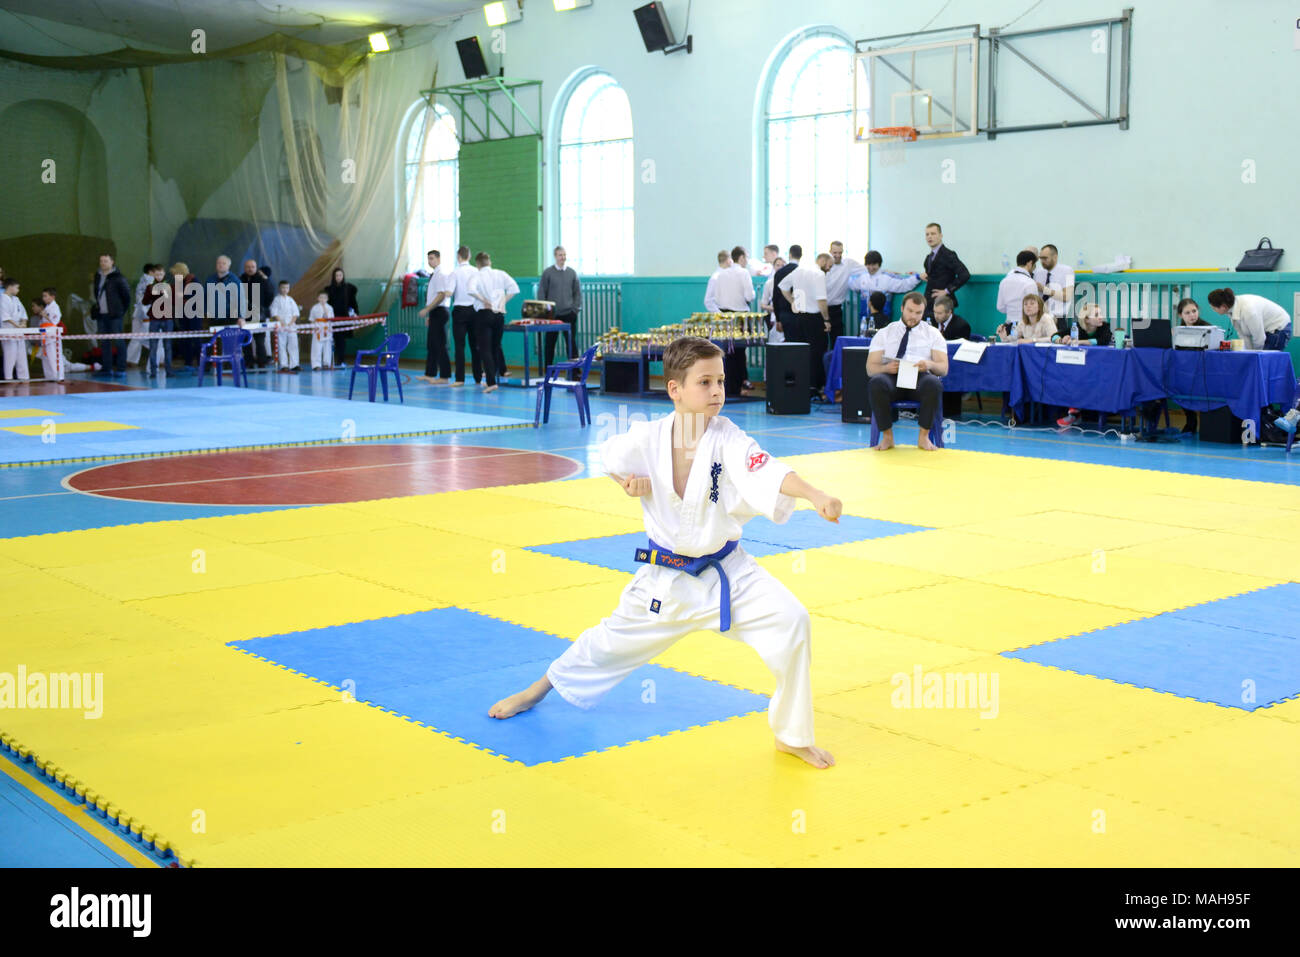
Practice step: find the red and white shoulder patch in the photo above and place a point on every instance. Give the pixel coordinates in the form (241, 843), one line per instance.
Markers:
(757, 460)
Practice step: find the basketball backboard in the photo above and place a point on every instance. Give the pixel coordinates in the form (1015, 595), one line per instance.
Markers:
(931, 86)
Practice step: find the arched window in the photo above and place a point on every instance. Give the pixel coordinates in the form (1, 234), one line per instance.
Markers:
(596, 177)
(815, 174)
(436, 224)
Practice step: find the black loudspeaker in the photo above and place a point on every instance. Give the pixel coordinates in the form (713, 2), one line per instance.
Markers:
(787, 379)
(471, 58)
(655, 29)
(855, 404)
(1220, 425)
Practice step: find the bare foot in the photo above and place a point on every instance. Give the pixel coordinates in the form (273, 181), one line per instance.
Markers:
(489, 388)
(924, 443)
(509, 707)
(814, 755)
(886, 441)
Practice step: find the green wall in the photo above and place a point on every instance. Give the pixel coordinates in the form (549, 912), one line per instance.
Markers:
(501, 202)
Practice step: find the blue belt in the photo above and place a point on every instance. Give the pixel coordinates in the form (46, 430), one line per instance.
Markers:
(658, 555)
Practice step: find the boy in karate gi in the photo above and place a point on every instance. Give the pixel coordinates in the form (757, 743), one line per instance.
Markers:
(322, 343)
(699, 478)
(285, 311)
(12, 318)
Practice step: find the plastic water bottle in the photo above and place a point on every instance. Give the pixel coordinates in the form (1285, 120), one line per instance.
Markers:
(1006, 263)
(1074, 333)
(862, 328)
(871, 323)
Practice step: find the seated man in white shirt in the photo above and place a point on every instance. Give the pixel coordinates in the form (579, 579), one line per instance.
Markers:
(914, 341)
(1056, 285)
(1015, 285)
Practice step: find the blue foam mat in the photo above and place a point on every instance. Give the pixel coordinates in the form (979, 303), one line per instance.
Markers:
(36, 835)
(1206, 653)
(215, 418)
(805, 529)
(446, 667)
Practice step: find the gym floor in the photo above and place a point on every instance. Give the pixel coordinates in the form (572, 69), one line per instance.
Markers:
(299, 642)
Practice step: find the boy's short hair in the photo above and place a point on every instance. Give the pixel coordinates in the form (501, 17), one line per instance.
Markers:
(285, 282)
(683, 353)
(877, 301)
(482, 259)
(323, 292)
(51, 290)
(737, 252)
(433, 252)
(10, 281)
(873, 259)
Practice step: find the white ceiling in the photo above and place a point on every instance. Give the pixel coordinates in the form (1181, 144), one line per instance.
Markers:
(166, 25)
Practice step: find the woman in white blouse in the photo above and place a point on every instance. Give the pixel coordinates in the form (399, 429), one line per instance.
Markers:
(1261, 323)
(1036, 324)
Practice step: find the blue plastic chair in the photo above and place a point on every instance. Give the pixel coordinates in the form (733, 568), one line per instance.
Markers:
(233, 339)
(936, 427)
(557, 378)
(387, 357)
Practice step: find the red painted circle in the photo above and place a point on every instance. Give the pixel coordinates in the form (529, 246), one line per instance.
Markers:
(319, 475)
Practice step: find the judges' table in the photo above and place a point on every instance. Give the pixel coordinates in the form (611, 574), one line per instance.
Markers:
(1114, 380)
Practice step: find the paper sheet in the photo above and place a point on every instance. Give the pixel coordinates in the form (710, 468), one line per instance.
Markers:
(906, 374)
(970, 351)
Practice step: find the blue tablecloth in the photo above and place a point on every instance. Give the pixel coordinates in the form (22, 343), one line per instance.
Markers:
(1203, 380)
(1115, 380)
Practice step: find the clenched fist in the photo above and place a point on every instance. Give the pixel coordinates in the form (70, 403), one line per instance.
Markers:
(636, 486)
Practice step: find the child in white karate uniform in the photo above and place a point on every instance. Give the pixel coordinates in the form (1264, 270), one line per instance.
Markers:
(699, 478)
(13, 316)
(285, 311)
(322, 342)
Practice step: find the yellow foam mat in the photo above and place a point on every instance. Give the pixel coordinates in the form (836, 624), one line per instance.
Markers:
(726, 782)
(1115, 577)
(286, 772)
(1240, 775)
(978, 616)
(182, 572)
(274, 608)
(1038, 719)
(1051, 822)
(955, 553)
(25, 413)
(68, 428)
(1224, 552)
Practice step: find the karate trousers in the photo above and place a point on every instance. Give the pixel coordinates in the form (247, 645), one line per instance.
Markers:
(764, 615)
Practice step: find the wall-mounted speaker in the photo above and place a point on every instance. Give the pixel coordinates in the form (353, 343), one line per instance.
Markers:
(471, 58)
(656, 32)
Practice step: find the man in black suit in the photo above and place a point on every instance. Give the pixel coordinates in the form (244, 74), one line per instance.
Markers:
(781, 311)
(944, 273)
(952, 327)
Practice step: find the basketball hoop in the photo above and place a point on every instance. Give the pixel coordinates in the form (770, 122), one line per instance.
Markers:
(905, 134)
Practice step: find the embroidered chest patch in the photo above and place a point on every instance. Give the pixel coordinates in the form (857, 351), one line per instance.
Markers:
(715, 472)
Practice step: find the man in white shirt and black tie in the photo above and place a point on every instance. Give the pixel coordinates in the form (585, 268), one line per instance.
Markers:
(1056, 285)
(917, 342)
(1015, 285)
(838, 277)
(805, 289)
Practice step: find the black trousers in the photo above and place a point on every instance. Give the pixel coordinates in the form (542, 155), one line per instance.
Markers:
(437, 364)
(256, 350)
(114, 350)
(489, 327)
(812, 330)
(836, 314)
(462, 322)
(735, 369)
(883, 389)
(549, 340)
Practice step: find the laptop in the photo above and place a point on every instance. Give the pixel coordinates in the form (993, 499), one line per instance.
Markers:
(1153, 334)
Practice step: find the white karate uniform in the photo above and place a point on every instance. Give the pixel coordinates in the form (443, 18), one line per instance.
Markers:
(139, 319)
(322, 341)
(14, 348)
(51, 358)
(662, 605)
(286, 312)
